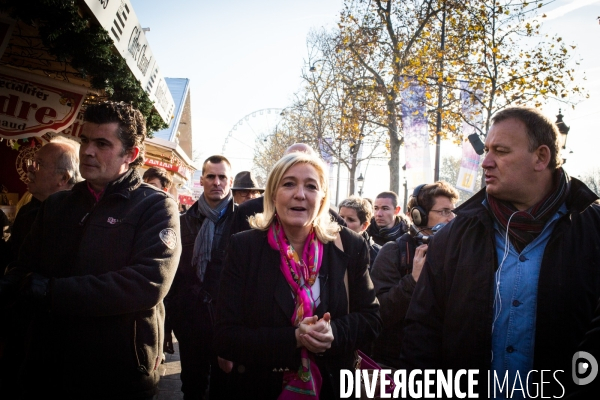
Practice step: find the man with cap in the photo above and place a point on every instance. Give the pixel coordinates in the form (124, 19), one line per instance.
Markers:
(245, 187)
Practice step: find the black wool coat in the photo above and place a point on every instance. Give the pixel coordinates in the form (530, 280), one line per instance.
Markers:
(255, 307)
(22, 226)
(394, 284)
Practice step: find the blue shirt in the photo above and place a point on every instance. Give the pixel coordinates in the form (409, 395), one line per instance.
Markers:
(515, 303)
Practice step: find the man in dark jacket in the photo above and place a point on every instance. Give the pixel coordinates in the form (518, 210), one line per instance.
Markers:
(245, 188)
(398, 266)
(54, 167)
(511, 284)
(388, 224)
(205, 231)
(100, 260)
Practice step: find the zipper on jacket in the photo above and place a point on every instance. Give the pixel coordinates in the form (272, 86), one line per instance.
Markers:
(86, 216)
(82, 222)
(141, 368)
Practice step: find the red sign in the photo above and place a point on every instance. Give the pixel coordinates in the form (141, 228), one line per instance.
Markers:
(187, 200)
(162, 164)
(31, 105)
(181, 169)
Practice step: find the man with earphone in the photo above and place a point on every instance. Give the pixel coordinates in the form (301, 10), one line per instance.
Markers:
(510, 286)
(399, 263)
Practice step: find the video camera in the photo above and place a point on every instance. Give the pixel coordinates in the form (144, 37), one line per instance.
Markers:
(424, 239)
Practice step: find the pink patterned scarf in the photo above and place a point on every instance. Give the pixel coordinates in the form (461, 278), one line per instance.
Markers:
(300, 274)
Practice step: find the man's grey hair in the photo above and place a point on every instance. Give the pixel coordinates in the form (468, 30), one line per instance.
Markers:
(68, 160)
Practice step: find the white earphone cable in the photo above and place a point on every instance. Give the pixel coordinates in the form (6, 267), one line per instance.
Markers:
(497, 297)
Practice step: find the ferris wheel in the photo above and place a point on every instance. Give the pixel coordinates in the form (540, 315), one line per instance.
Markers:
(240, 143)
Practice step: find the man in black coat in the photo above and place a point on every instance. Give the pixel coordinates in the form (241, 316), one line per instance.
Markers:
(99, 261)
(388, 224)
(205, 231)
(398, 266)
(510, 286)
(54, 167)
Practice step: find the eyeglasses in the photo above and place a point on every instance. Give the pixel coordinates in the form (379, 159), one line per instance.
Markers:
(35, 164)
(246, 193)
(444, 212)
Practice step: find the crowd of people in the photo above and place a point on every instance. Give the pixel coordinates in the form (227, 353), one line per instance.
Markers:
(270, 291)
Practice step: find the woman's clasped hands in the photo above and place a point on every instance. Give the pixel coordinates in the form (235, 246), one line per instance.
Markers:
(315, 334)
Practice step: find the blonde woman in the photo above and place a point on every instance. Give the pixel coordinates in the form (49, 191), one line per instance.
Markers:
(284, 316)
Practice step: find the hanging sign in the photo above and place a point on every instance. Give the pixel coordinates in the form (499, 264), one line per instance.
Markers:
(128, 37)
(416, 134)
(31, 105)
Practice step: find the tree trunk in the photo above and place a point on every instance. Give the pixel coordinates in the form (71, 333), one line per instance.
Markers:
(353, 165)
(395, 143)
(394, 164)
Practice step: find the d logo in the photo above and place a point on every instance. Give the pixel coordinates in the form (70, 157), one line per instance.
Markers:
(583, 363)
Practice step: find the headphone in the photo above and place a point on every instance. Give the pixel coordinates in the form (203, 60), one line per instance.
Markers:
(417, 213)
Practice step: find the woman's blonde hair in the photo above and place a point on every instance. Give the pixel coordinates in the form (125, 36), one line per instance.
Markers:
(325, 228)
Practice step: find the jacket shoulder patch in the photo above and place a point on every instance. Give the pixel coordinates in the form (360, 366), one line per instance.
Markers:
(169, 237)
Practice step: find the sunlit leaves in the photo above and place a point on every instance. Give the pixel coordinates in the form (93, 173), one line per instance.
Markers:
(504, 55)
(495, 46)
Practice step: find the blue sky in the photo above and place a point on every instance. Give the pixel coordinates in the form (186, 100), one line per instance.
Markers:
(243, 56)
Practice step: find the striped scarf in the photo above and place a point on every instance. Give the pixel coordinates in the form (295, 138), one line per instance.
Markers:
(300, 274)
(526, 225)
(393, 232)
(204, 238)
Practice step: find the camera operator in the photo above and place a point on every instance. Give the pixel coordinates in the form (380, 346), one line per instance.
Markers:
(398, 265)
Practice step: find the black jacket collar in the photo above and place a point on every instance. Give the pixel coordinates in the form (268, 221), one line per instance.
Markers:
(123, 185)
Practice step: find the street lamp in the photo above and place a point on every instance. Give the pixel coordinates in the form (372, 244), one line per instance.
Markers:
(564, 131)
(339, 163)
(313, 67)
(405, 184)
(361, 182)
